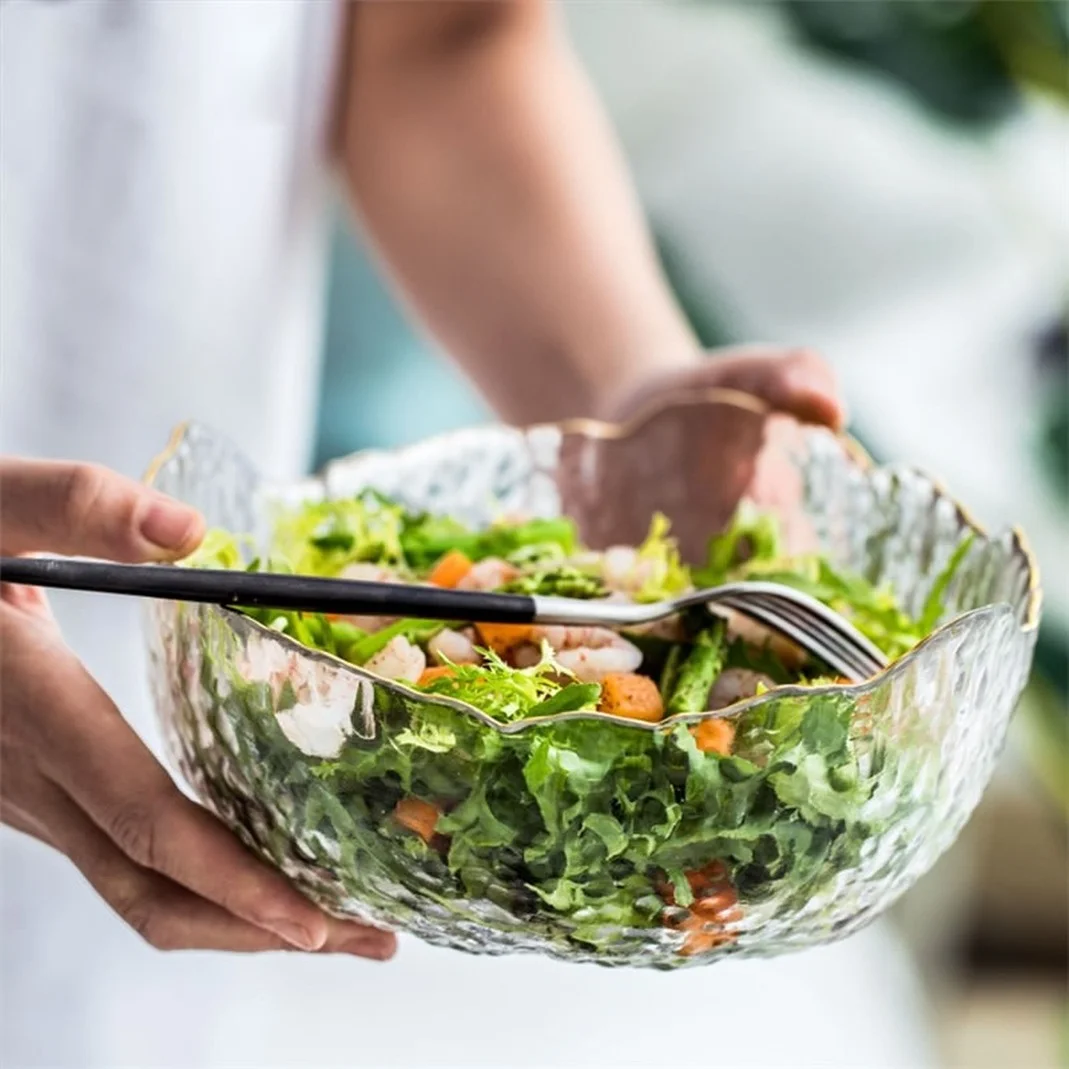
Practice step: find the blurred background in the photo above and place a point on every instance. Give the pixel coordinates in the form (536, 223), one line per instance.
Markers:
(887, 181)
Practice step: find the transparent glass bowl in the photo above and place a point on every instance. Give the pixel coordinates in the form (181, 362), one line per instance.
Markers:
(250, 715)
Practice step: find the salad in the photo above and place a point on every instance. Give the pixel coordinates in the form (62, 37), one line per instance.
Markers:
(640, 815)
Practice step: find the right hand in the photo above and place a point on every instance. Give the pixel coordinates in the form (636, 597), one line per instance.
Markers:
(75, 775)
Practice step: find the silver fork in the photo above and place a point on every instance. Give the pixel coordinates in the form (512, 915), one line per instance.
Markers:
(809, 623)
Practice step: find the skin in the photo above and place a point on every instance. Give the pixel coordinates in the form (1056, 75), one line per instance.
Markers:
(487, 177)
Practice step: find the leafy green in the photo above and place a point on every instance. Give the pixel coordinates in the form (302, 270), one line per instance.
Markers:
(562, 581)
(934, 602)
(424, 538)
(751, 538)
(321, 538)
(659, 554)
(507, 693)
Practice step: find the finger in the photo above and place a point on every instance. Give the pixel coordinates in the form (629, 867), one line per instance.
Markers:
(166, 915)
(86, 510)
(795, 382)
(360, 940)
(102, 764)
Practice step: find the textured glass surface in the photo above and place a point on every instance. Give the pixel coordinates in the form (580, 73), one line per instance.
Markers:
(249, 715)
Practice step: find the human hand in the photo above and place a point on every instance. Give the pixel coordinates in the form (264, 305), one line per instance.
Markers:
(693, 456)
(75, 775)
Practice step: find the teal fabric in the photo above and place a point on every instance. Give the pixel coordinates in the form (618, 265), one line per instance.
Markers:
(382, 383)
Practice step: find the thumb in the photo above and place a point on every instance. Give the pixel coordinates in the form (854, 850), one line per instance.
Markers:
(86, 510)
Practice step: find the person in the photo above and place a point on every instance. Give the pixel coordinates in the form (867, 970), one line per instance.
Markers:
(166, 169)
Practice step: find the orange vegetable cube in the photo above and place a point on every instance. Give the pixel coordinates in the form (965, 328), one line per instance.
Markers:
(417, 816)
(631, 695)
(450, 569)
(504, 638)
(714, 736)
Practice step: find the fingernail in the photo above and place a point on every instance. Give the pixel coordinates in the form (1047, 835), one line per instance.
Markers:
(295, 933)
(169, 524)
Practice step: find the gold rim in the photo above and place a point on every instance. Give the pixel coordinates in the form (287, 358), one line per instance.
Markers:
(166, 453)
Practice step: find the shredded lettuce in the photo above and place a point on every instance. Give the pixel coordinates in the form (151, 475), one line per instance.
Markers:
(508, 694)
(424, 538)
(660, 554)
(321, 538)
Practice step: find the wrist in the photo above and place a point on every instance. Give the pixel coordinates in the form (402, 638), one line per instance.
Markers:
(620, 395)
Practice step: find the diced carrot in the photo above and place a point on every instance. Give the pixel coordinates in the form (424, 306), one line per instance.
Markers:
(418, 816)
(701, 936)
(450, 569)
(714, 736)
(437, 671)
(631, 695)
(503, 638)
(708, 880)
(714, 906)
(715, 872)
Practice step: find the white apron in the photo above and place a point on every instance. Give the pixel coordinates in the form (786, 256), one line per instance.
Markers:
(162, 215)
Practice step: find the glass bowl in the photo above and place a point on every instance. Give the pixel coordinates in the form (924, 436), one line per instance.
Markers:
(582, 836)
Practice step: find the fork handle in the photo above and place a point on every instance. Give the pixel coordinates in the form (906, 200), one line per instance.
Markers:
(268, 590)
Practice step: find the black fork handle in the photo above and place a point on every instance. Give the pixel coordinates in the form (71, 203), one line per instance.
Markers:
(268, 590)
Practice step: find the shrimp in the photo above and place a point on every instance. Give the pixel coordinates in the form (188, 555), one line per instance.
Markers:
(367, 572)
(489, 574)
(734, 684)
(455, 647)
(589, 653)
(624, 571)
(399, 659)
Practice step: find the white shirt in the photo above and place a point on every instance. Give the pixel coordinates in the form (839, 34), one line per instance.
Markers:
(162, 252)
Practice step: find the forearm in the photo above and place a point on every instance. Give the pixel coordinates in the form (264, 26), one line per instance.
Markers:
(488, 179)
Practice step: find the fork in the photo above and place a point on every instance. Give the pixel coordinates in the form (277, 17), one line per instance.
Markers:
(805, 621)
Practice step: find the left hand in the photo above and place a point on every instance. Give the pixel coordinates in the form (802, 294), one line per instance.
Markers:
(694, 458)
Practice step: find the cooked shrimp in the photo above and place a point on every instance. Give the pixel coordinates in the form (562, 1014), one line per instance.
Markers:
(454, 647)
(399, 659)
(489, 574)
(734, 684)
(590, 653)
(622, 569)
(526, 655)
(367, 572)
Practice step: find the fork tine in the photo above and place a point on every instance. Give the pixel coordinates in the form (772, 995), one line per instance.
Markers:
(811, 639)
(811, 613)
(832, 620)
(831, 631)
(837, 630)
